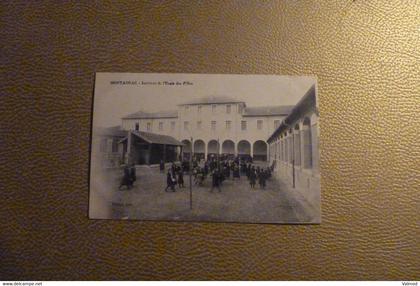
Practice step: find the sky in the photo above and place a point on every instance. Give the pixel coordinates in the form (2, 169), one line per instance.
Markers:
(114, 99)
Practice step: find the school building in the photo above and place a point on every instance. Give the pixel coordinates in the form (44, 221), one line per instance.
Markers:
(286, 135)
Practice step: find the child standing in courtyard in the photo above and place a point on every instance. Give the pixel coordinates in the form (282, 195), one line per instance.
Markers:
(180, 178)
(170, 181)
(252, 177)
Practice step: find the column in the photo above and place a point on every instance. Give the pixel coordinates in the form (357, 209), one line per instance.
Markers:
(302, 146)
(127, 159)
(297, 146)
(315, 150)
(267, 152)
(180, 154)
(164, 153)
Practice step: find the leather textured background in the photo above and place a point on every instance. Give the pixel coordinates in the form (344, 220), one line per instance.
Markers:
(366, 55)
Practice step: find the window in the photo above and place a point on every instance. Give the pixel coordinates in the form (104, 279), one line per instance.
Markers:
(276, 124)
(186, 123)
(172, 125)
(243, 125)
(149, 126)
(213, 125)
(259, 124)
(186, 107)
(213, 108)
(137, 126)
(228, 108)
(240, 108)
(160, 126)
(199, 125)
(228, 125)
(199, 109)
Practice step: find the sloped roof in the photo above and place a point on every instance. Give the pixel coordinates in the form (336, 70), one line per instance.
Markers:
(307, 102)
(111, 131)
(213, 99)
(154, 138)
(268, 110)
(149, 115)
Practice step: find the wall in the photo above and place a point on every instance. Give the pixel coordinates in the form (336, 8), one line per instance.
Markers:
(130, 124)
(365, 55)
(190, 114)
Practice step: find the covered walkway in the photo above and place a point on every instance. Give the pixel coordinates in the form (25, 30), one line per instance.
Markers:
(145, 148)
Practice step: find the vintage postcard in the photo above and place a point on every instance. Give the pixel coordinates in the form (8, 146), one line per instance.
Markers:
(205, 147)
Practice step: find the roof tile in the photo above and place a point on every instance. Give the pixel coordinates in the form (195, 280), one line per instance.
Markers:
(149, 115)
(212, 100)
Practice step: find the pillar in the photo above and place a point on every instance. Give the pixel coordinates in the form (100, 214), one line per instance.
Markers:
(164, 153)
(297, 147)
(129, 147)
(315, 150)
(267, 152)
(302, 146)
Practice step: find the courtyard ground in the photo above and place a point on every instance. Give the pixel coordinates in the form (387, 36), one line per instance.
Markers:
(237, 201)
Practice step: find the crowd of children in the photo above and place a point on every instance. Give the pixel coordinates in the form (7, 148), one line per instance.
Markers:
(219, 170)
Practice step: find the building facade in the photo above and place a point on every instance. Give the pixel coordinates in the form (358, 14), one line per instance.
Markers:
(294, 148)
(214, 125)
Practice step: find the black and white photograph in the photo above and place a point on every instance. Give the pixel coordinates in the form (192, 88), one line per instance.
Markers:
(205, 148)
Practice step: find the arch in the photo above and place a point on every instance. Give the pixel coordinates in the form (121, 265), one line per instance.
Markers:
(307, 143)
(212, 148)
(199, 149)
(187, 146)
(244, 149)
(260, 150)
(228, 147)
(313, 119)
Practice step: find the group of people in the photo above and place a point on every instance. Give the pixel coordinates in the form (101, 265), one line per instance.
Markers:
(174, 176)
(219, 170)
(238, 168)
